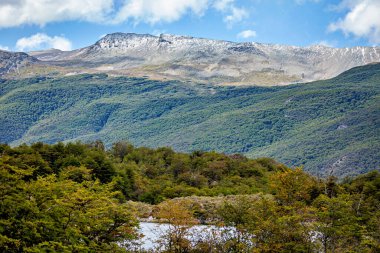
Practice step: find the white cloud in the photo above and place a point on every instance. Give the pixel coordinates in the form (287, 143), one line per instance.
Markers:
(247, 34)
(233, 14)
(40, 12)
(237, 15)
(362, 19)
(42, 41)
(223, 5)
(154, 11)
(4, 48)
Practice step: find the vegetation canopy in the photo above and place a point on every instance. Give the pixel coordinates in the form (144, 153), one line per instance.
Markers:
(78, 197)
(324, 125)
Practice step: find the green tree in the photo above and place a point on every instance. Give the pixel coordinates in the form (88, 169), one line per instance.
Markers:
(336, 226)
(58, 214)
(121, 149)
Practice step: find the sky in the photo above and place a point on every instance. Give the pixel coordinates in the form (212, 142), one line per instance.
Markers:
(27, 25)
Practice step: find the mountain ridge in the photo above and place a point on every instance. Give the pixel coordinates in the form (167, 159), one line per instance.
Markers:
(13, 61)
(218, 62)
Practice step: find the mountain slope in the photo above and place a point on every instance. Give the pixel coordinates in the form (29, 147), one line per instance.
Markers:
(210, 61)
(12, 62)
(324, 125)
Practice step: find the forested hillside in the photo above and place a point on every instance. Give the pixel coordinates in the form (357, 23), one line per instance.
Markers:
(150, 175)
(325, 126)
(73, 198)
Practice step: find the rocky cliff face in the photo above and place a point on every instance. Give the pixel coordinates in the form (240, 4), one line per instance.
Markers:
(12, 62)
(219, 62)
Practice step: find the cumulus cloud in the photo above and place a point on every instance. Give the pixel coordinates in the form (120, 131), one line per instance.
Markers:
(223, 5)
(154, 11)
(41, 41)
(40, 12)
(247, 34)
(237, 15)
(361, 20)
(233, 13)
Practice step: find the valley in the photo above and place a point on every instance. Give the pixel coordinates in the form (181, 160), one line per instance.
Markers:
(189, 126)
(325, 126)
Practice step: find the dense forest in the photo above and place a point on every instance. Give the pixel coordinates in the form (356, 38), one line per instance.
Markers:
(321, 125)
(77, 197)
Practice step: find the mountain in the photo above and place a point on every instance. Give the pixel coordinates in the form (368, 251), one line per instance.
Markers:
(330, 125)
(172, 57)
(12, 62)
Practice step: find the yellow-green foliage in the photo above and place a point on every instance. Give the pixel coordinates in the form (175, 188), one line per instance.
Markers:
(64, 212)
(71, 198)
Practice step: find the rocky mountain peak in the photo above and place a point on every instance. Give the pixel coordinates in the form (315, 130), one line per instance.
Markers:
(123, 40)
(13, 61)
(177, 57)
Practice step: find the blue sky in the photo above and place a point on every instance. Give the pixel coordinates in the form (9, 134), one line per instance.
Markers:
(69, 24)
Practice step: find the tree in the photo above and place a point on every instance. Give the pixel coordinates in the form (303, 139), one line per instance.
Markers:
(294, 186)
(58, 214)
(337, 226)
(121, 149)
(264, 226)
(180, 220)
(100, 165)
